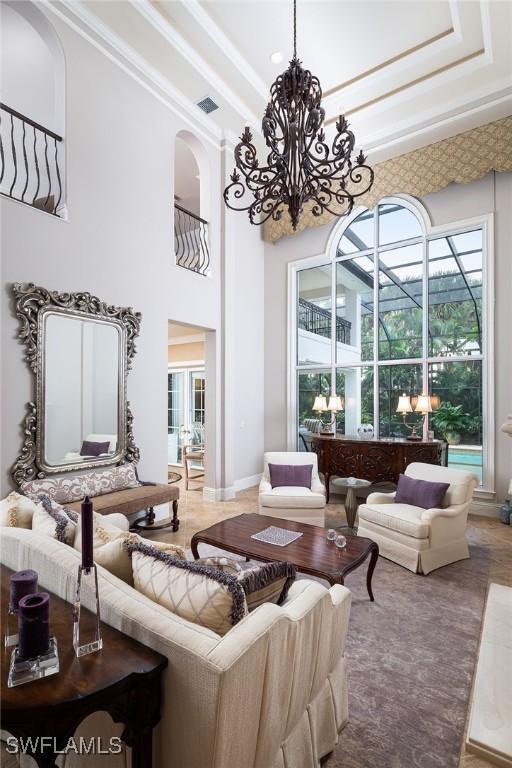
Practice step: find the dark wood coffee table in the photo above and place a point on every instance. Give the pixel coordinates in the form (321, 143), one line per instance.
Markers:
(311, 554)
(122, 679)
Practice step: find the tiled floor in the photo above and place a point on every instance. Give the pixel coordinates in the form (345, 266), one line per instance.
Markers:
(196, 514)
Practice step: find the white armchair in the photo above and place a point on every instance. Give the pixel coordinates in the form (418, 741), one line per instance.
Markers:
(421, 539)
(304, 505)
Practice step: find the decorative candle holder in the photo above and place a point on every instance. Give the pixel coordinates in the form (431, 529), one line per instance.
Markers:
(11, 628)
(85, 641)
(21, 583)
(26, 670)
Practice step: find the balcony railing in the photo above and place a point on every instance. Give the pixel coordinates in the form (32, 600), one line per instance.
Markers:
(191, 241)
(317, 320)
(30, 158)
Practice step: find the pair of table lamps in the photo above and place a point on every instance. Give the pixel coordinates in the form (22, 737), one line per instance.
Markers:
(334, 405)
(423, 404)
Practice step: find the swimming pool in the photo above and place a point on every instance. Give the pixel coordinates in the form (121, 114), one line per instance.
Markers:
(468, 457)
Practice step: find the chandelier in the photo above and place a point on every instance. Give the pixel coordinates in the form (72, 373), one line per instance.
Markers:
(301, 167)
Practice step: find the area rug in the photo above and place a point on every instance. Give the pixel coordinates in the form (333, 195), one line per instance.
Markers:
(173, 477)
(411, 657)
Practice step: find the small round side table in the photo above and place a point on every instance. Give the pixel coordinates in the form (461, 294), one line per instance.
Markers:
(351, 503)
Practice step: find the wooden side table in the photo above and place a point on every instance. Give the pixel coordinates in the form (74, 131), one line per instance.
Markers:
(123, 679)
(351, 484)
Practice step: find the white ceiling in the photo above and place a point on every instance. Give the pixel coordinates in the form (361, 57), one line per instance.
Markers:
(406, 72)
(179, 333)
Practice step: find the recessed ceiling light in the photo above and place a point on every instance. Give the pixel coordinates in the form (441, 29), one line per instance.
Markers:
(276, 57)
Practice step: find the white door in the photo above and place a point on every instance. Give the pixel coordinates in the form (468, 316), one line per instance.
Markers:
(186, 411)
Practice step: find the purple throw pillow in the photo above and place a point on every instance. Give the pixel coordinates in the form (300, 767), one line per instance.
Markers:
(297, 475)
(420, 493)
(93, 449)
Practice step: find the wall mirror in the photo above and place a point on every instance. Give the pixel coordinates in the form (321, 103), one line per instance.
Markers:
(79, 350)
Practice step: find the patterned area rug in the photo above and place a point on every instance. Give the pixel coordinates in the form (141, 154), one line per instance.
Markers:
(411, 657)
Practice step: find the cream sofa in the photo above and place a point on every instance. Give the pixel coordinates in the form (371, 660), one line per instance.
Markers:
(421, 539)
(304, 505)
(271, 693)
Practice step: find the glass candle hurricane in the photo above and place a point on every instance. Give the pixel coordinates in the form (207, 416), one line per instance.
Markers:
(21, 583)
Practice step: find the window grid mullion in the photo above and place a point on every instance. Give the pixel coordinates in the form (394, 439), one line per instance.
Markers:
(334, 322)
(376, 309)
(425, 330)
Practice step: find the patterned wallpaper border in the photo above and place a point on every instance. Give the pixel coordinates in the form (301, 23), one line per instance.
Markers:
(462, 158)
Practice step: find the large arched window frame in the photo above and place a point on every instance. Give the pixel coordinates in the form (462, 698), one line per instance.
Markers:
(426, 356)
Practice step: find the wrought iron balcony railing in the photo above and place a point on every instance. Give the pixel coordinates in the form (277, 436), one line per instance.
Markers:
(317, 320)
(30, 162)
(191, 241)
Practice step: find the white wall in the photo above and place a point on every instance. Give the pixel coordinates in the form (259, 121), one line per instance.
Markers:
(118, 244)
(28, 80)
(249, 350)
(456, 202)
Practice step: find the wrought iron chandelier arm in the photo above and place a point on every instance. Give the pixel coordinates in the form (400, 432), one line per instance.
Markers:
(301, 167)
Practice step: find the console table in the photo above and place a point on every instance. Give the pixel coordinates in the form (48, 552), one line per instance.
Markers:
(122, 679)
(374, 460)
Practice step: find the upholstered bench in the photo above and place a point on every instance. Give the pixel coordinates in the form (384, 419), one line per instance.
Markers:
(146, 496)
(116, 489)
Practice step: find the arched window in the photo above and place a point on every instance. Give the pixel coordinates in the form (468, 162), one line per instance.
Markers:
(395, 308)
(191, 204)
(32, 112)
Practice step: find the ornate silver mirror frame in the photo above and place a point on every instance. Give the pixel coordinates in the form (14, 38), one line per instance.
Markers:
(32, 304)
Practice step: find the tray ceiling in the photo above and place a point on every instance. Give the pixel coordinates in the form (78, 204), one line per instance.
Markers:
(406, 73)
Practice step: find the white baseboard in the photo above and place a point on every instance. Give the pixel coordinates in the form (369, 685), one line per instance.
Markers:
(219, 494)
(485, 509)
(225, 494)
(247, 482)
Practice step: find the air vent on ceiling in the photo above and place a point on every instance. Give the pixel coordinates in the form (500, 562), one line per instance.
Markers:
(207, 104)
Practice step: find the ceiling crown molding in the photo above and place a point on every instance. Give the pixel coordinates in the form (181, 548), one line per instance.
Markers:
(190, 54)
(224, 44)
(91, 28)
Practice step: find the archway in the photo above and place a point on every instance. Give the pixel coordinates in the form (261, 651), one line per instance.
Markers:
(33, 111)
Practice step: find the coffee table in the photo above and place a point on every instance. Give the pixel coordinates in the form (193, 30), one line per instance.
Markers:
(311, 554)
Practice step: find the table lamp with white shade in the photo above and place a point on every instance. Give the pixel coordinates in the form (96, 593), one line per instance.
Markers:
(334, 405)
(420, 404)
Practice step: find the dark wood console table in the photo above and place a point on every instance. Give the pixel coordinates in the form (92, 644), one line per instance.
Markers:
(122, 679)
(375, 460)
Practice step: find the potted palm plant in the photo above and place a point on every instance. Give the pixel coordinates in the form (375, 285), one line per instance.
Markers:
(451, 421)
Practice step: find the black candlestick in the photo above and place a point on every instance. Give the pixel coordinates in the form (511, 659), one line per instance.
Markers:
(87, 518)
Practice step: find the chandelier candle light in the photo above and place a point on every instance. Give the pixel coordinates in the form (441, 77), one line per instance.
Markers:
(301, 167)
(84, 639)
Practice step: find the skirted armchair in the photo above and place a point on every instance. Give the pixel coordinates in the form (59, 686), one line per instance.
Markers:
(305, 505)
(421, 539)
